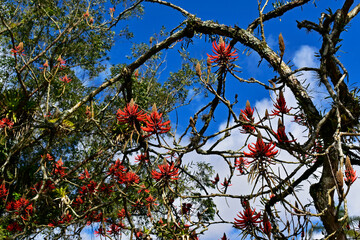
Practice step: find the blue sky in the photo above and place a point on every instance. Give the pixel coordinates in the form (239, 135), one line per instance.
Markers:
(300, 49)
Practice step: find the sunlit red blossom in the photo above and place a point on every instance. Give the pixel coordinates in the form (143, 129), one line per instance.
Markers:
(247, 114)
(281, 135)
(84, 175)
(167, 172)
(350, 176)
(86, 14)
(216, 180)
(14, 227)
(139, 234)
(45, 65)
(266, 225)
(47, 157)
(141, 158)
(131, 178)
(247, 129)
(122, 213)
(131, 114)
(61, 63)
(247, 219)
(240, 164)
(19, 49)
(154, 124)
(59, 169)
(226, 183)
(116, 168)
(261, 150)
(280, 106)
(65, 79)
(21, 207)
(3, 190)
(223, 54)
(100, 232)
(5, 122)
(224, 237)
(150, 201)
(49, 185)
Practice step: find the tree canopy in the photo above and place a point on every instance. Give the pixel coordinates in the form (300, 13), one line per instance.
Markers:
(124, 148)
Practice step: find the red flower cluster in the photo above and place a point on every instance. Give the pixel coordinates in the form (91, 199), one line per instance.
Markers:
(49, 185)
(266, 225)
(241, 163)
(5, 122)
(154, 124)
(122, 175)
(247, 219)
(141, 158)
(226, 183)
(65, 218)
(131, 114)
(61, 63)
(65, 79)
(350, 176)
(14, 227)
(167, 172)
(59, 169)
(19, 49)
(3, 191)
(21, 207)
(223, 54)
(281, 135)
(247, 116)
(261, 150)
(280, 106)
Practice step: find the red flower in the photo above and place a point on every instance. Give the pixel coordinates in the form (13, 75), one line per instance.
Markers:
(241, 163)
(65, 79)
(49, 185)
(130, 115)
(280, 106)
(224, 237)
(61, 63)
(84, 175)
(143, 188)
(3, 190)
(223, 54)
(142, 158)
(261, 150)
(266, 225)
(130, 178)
(350, 176)
(19, 49)
(167, 172)
(48, 157)
(281, 135)
(100, 232)
(226, 183)
(216, 180)
(247, 114)
(116, 168)
(5, 122)
(59, 169)
(14, 227)
(247, 219)
(114, 229)
(121, 214)
(21, 207)
(150, 201)
(154, 124)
